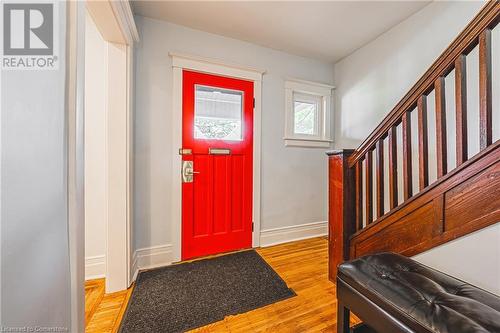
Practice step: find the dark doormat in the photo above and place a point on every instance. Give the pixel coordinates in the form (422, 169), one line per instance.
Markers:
(185, 296)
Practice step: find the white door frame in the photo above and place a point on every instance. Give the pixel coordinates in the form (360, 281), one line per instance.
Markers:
(115, 22)
(211, 66)
(74, 90)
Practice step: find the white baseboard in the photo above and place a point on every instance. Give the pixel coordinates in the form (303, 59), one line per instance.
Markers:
(95, 267)
(293, 233)
(162, 255)
(151, 257)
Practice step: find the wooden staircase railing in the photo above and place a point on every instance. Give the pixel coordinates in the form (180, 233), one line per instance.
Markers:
(429, 218)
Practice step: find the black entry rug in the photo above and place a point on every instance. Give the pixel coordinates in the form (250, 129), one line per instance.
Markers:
(185, 296)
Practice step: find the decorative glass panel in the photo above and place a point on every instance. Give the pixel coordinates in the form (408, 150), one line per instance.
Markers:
(217, 113)
(305, 117)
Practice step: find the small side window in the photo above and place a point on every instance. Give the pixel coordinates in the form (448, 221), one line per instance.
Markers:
(307, 114)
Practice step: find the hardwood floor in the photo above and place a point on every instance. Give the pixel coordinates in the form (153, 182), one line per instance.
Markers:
(103, 312)
(302, 264)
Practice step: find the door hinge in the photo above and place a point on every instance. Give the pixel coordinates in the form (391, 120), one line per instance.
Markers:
(252, 226)
(254, 103)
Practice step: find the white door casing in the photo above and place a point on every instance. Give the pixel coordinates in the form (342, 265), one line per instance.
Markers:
(211, 66)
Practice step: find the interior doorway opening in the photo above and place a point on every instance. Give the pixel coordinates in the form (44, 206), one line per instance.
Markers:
(109, 36)
(95, 151)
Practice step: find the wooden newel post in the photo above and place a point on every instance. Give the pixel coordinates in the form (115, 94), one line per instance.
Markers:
(341, 211)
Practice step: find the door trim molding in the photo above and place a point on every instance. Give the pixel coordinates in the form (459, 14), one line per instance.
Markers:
(114, 20)
(214, 66)
(181, 62)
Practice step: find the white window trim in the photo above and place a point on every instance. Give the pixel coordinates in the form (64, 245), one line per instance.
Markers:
(324, 91)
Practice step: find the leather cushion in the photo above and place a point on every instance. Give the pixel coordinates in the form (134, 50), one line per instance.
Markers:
(421, 295)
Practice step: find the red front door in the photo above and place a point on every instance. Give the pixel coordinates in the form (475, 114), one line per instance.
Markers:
(217, 172)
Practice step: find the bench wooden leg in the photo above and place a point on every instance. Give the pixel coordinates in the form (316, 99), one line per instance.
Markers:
(342, 318)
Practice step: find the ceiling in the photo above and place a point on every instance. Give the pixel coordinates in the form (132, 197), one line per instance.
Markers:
(328, 30)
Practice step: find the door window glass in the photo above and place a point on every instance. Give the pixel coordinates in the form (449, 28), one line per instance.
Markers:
(217, 113)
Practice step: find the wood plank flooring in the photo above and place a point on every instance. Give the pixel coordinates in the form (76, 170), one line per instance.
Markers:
(302, 264)
(103, 312)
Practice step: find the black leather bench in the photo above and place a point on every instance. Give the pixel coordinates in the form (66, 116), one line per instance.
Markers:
(392, 293)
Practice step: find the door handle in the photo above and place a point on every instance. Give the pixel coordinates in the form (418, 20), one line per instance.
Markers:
(188, 172)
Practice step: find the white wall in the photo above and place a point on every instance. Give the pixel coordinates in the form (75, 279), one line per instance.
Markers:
(467, 257)
(294, 180)
(35, 266)
(375, 77)
(95, 150)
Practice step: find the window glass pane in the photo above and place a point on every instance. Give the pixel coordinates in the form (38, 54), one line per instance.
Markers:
(217, 113)
(305, 117)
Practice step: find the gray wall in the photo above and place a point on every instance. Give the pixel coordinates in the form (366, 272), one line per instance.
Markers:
(375, 77)
(35, 276)
(293, 179)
